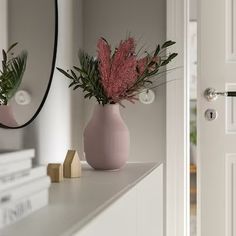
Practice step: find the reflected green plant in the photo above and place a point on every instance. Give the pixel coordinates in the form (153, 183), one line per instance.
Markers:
(13, 68)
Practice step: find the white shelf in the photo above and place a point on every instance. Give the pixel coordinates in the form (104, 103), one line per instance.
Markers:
(75, 202)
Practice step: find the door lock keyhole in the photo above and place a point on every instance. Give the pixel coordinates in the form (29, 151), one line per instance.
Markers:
(210, 114)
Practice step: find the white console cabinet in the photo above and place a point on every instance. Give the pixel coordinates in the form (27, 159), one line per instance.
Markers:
(128, 202)
(139, 212)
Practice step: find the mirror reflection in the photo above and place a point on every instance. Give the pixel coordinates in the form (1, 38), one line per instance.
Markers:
(27, 41)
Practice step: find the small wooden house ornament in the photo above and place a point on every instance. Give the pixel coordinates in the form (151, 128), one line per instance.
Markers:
(55, 171)
(72, 165)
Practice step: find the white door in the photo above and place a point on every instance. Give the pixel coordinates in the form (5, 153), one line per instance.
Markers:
(217, 138)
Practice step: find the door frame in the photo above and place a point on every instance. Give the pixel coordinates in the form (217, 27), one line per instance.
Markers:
(177, 124)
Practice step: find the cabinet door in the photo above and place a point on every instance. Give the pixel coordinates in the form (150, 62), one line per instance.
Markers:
(150, 204)
(117, 220)
(139, 212)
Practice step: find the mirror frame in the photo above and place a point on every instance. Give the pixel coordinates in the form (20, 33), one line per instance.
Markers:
(50, 77)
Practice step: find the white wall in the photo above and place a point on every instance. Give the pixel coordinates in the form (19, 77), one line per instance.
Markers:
(193, 10)
(58, 125)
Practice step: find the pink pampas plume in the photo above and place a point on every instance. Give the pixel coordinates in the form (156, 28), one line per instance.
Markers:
(104, 54)
(122, 68)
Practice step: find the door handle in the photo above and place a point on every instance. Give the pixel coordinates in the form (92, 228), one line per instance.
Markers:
(211, 94)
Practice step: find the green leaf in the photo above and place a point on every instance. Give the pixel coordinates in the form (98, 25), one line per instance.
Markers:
(77, 86)
(157, 50)
(65, 73)
(11, 47)
(148, 81)
(17, 68)
(78, 69)
(87, 95)
(12, 74)
(72, 84)
(83, 73)
(170, 57)
(4, 55)
(73, 74)
(167, 44)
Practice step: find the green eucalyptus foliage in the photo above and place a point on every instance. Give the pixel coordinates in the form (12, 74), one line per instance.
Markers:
(153, 66)
(87, 79)
(13, 68)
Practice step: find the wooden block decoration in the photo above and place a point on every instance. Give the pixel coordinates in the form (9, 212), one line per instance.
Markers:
(72, 165)
(55, 171)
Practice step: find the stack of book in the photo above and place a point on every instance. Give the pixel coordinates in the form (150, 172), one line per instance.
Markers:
(23, 189)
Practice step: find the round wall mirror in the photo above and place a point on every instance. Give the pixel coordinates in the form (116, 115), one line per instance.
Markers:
(28, 42)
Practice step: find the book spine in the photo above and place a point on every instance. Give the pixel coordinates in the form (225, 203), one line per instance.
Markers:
(15, 167)
(14, 156)
(24, 190)
(12, 177)
(17, 210)
(19, 178)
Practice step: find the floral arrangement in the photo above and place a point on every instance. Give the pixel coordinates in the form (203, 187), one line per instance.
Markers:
(112, 77)
(13, 68)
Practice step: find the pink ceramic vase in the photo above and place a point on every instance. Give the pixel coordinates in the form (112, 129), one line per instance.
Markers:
(7, 116)
(106, 139)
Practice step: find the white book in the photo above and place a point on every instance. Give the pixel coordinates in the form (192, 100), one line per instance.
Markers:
(14, 211)
(19, 178)
(24, 190)
(14, 167)
(10, 156)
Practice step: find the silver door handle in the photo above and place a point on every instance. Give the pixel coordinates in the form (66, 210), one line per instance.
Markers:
(211, 94)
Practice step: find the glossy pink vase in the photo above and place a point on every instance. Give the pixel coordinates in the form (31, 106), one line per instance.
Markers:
(106, 139)
(7, 116)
